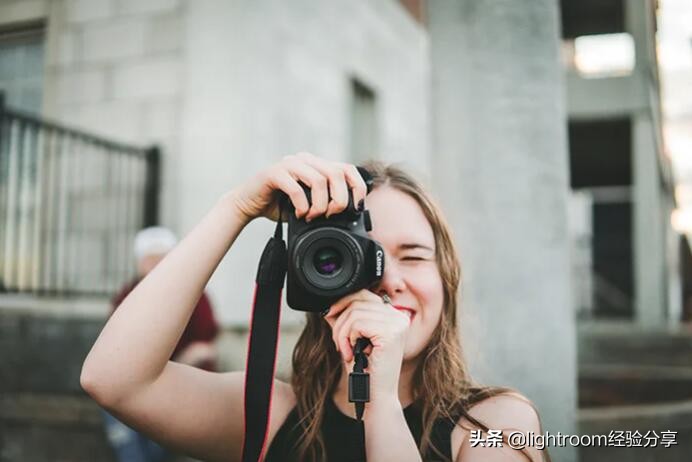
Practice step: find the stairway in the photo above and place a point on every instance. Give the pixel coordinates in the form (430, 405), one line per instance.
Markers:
(44, 414)
(634, 379)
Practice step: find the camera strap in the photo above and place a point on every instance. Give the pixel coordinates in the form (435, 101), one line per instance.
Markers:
(262, 348)
(262, 344)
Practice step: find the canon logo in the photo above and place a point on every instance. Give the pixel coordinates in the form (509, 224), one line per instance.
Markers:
(378, 263)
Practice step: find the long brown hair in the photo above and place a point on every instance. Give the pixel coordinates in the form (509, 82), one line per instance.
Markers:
(442, 385)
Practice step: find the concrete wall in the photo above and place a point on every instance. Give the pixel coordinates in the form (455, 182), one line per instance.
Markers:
(269, 78)
(500, 158)
(228, 87)
(113, 67)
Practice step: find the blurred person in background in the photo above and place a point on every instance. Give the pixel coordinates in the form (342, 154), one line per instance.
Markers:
(195, 348)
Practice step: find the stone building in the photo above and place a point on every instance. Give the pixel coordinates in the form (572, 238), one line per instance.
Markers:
(473, 97)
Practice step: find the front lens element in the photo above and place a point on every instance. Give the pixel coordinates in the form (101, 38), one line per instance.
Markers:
(328, 261)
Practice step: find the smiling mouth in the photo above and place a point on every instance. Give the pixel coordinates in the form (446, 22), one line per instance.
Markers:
(411, 314)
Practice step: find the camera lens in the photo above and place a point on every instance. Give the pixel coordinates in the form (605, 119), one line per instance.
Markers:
(328, 261)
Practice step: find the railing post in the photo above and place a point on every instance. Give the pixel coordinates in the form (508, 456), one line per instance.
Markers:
(3, 210)
(2, 113)
(152, 187)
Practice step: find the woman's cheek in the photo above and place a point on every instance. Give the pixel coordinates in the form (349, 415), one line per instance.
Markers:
(428, 290)
(419, 334)
(416, 342)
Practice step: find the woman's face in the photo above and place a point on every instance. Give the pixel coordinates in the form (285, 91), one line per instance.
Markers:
(411, 277)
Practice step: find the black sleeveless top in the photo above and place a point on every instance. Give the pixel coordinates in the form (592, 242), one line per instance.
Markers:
(343, 436)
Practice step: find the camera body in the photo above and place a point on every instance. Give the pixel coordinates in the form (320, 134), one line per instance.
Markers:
(329, 258)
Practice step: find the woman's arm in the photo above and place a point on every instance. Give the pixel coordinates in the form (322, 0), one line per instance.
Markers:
(127, 370)
(142, 333)
(387, 435)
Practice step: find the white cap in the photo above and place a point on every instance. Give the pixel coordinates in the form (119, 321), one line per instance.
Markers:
(154, 240)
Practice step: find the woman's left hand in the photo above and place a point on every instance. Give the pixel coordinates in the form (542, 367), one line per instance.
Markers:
(364, 314)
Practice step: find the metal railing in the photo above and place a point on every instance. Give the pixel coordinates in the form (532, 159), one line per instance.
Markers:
(70, 204)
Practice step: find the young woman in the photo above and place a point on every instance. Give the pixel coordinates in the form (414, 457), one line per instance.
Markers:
(423, 403)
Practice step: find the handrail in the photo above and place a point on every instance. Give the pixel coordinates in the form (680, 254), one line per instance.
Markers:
(70, 204)
(68, 131)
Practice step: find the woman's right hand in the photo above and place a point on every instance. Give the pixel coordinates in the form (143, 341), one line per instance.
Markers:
(328, 182)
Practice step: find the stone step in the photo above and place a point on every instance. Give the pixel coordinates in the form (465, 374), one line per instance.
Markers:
(45, 416)
(615, 385)
(43, 354)
(659, 418)
(38, 427)
(618, 343)
(49, 427)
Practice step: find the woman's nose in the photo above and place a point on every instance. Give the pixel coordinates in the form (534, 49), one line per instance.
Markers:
(392, 281)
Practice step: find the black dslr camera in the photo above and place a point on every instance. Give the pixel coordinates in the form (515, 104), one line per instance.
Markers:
(329, 258)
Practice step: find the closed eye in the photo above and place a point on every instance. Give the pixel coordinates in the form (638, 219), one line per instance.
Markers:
(414, 258)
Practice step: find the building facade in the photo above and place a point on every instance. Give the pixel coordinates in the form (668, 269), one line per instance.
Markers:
(555, 184)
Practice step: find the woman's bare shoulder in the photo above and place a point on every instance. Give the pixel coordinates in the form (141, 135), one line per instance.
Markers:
(284, 392)
(283, 402)
(506, 412)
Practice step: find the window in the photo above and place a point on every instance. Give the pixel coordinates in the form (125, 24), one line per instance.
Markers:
(606, 55)
(364, 136)
(21, 67)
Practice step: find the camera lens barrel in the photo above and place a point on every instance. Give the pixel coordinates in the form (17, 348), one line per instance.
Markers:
(328, 260)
